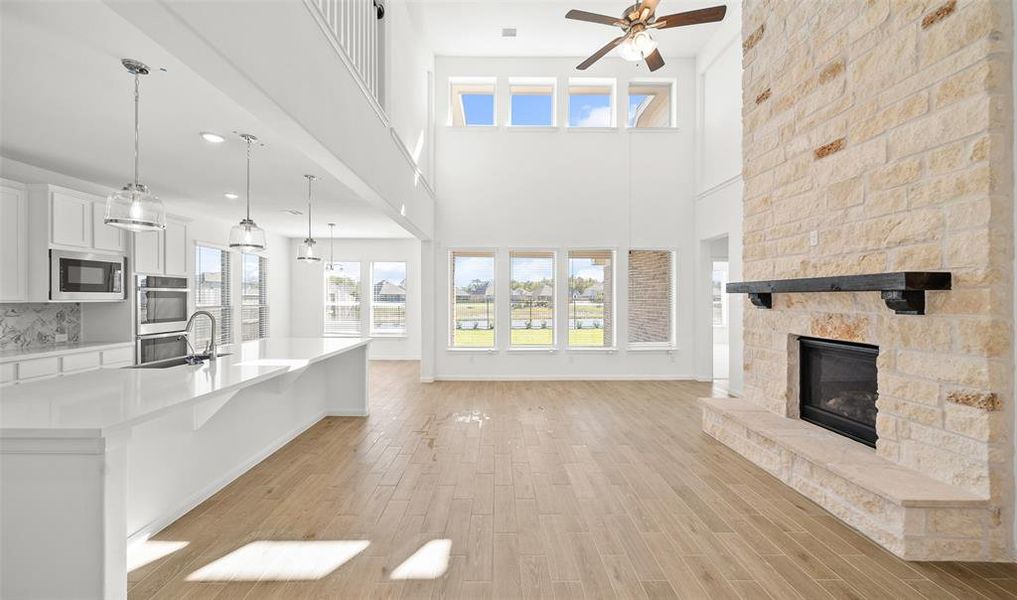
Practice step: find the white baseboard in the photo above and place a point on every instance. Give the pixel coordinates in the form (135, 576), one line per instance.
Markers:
(158, 524)
(346, 413)
(427, 380)
(569, 377)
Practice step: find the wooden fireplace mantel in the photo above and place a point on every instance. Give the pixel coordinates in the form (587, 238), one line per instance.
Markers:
(903, 292)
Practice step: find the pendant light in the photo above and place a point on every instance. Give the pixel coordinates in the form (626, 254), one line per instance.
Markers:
(331, 248)
(134, 208)
(306, 252)
(246, 235)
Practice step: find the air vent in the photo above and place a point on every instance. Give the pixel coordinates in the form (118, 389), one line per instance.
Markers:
(508, 32)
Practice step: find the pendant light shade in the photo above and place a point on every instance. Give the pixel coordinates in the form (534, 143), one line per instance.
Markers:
(246, 236)
(134, 208)
(307, 253)
(331, 248)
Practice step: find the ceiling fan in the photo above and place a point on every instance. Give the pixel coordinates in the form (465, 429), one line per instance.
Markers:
(638, 21)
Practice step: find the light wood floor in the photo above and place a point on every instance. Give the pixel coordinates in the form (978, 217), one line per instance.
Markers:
(546, 490)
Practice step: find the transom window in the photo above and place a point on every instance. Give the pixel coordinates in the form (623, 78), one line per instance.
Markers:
(591, 298)
(471, 102)
(532, 298)
(650, 105)
(473, 293)
(591, 103)
(342, 299)
(532, 102)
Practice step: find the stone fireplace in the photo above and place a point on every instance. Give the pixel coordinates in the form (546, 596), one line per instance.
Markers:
(877, 138)
(837, 387)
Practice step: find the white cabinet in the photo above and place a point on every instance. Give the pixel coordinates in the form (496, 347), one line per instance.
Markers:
(106, 237)
(13, 242)
(162, 252)
(71, 220)
(175, 248)
(148, 258)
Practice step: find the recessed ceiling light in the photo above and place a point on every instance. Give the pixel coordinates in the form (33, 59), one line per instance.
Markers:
(231, 196)
(508, 32)
(212, 138)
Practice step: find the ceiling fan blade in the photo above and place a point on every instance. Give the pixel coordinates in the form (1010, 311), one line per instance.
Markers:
(582, 15)
(654, 60)
(692, 17)
(599, 54)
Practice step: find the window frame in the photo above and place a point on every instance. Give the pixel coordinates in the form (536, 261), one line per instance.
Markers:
(614, 298)
(227, 335)
(672, 344)
(672, 84)
(455, 101)
(555, 320)
(451, 298)
(360, 302)
(262, 305)
(534, 81)
(610, 82)
(404, 332)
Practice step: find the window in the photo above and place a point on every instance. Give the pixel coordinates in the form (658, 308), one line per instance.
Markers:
(212, 293)
(253, 297)
(650, 105)
(342, 299)
(591, 103)
(471, 102)
(720, 298)
(591, 299)
(388, 298)
(532, 298)
(532, 102)
(472, 276)
(651, 297)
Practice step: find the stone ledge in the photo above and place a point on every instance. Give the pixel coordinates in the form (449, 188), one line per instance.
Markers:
(907, 512)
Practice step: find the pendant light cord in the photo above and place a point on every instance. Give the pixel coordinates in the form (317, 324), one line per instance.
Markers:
(309, 180)
(248, 179)
(137, 127)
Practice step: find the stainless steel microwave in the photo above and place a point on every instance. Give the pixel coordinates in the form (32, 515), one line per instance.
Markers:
(86, 276)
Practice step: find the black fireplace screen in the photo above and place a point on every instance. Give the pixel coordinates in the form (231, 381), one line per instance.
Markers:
(838, 387)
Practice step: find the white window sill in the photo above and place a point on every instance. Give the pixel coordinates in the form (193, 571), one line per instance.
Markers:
(653, 129)
(544, 128)
(534, 350)
(593, 129)
(598, 350)
(649, 348)
(473, 350)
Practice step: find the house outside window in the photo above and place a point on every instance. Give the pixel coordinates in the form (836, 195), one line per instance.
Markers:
(472, 317)
(212, 285)
(388, 298)
(591, 299)
(343, 299)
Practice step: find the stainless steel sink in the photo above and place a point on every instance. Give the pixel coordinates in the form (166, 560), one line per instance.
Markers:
(176, 362)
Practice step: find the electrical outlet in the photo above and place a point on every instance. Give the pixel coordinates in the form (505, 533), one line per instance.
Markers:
(61, 338)
(813, 238)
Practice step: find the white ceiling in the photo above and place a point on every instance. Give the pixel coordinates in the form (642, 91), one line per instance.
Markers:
(473, 27)
(67, 104)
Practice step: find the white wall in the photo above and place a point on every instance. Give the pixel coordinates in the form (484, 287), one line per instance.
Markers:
(504, 188)
(308, 292)
(199, 229)
(409, 68)
(718, 203)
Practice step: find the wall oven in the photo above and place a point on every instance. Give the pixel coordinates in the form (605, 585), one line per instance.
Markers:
(162, 304)
(86, 277)
(161, 346)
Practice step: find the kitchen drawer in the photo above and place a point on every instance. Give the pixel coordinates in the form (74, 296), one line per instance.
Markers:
(118, 357)
(8, 373)
(80, 361)
(38, 367)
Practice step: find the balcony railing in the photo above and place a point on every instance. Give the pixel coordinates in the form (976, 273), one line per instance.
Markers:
(357, 30)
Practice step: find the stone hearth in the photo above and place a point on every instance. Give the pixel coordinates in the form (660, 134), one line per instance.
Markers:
(877, 139)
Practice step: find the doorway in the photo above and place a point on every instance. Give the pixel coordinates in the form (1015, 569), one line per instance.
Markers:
(720, 309)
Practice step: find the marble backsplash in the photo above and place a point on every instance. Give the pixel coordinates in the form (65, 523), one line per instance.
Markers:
(31, 325)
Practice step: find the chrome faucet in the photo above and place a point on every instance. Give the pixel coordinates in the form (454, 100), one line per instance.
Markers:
(210, 349)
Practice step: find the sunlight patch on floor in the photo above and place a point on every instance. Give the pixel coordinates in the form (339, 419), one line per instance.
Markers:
(281, 561)
(140, 554)
(429, 562)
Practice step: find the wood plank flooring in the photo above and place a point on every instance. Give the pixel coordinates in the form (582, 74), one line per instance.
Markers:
(545, 490)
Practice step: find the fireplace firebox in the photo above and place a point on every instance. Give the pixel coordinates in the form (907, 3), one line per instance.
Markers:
(837, 389)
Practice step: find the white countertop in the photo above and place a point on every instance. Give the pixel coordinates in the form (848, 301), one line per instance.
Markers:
(95, 403)
(57, 350)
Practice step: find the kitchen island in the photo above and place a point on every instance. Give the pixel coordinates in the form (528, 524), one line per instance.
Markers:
(91, 461)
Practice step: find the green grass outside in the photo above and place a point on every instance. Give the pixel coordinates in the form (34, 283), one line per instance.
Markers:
(484, 338)
(586, 338)
(473, 338)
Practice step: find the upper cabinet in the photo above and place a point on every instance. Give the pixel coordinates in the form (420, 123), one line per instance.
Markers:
(106, 237)
(162, 252)
(71, 219)
(13, 242)
(65, 218)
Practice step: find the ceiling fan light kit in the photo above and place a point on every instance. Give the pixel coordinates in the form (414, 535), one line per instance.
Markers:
(637, 43)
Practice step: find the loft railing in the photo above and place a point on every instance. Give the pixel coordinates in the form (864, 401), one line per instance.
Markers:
(357, 31)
